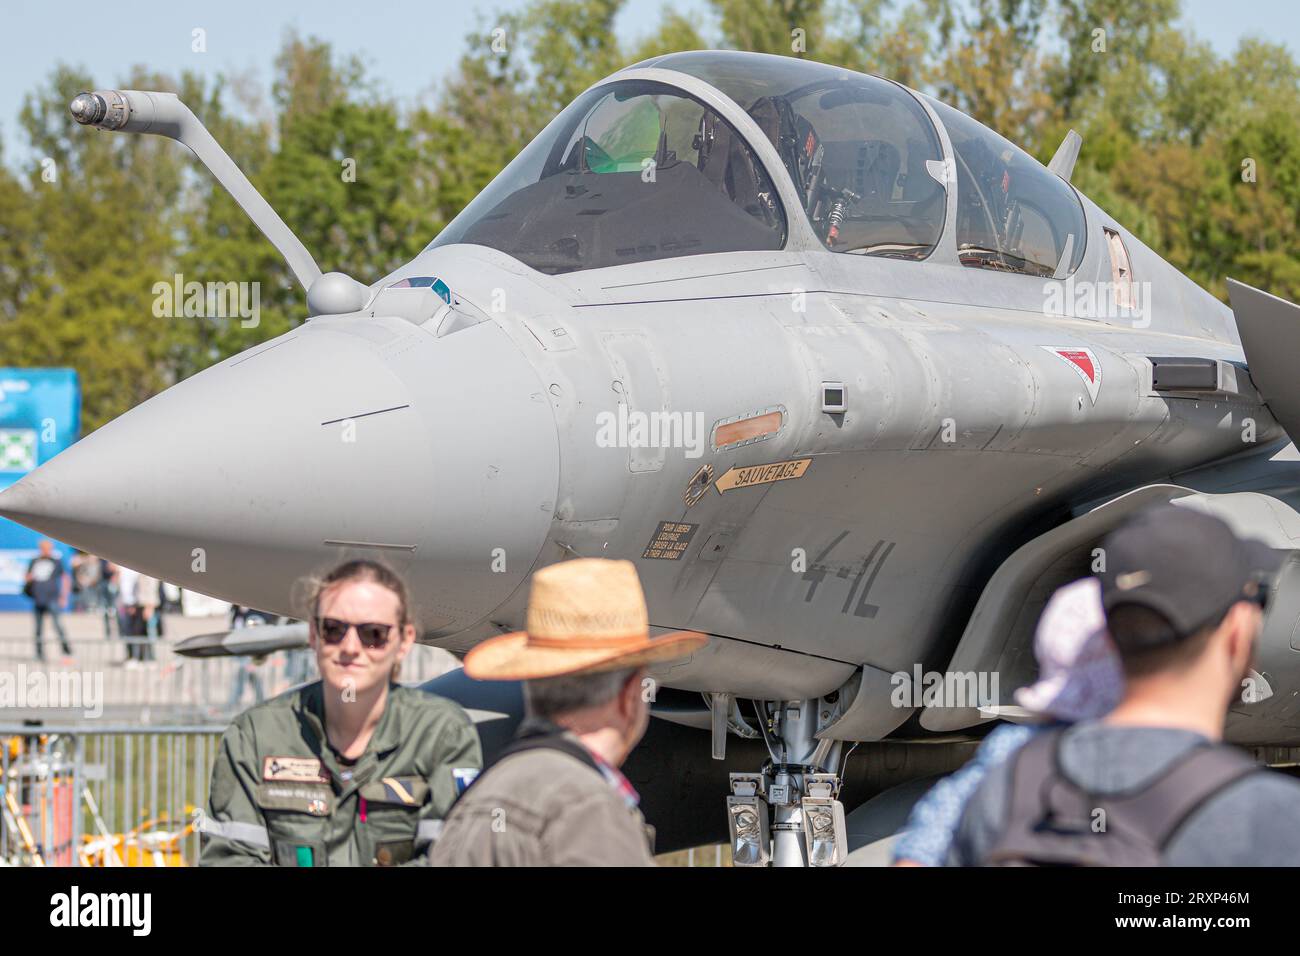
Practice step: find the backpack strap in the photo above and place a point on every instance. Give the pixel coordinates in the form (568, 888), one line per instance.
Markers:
(536, 734)
(1162, 807)
(1036, 774)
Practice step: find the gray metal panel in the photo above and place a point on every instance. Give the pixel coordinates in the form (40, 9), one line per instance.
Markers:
(996, 626)
(872, 714)
(1270, 334)
(751, 670)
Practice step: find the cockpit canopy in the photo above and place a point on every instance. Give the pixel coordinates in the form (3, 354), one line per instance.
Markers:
(634, 171)
(864, 157)
(629, 172)
(1012, 213)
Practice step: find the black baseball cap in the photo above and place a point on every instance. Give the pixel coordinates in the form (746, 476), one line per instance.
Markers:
(1187, 566)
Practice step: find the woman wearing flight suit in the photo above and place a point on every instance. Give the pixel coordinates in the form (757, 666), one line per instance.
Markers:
(353, 770)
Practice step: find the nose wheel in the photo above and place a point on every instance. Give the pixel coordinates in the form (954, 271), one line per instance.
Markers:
(789, 813)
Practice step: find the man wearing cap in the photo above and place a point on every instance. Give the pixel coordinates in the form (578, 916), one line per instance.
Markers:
(555, 796)
(1152, 782)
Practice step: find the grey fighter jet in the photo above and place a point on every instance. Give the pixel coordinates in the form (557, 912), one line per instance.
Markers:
(853, 380)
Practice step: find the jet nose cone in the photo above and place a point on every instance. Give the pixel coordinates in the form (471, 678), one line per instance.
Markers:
(21, 500)
(344, 438)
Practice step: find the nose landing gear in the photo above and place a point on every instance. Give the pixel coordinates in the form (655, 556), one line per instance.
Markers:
(797, 790)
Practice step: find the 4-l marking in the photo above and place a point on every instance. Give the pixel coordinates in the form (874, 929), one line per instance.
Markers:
(866, 575)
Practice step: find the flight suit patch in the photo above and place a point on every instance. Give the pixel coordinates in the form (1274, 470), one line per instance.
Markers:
(464, 776)
(293, 853)
(294, 770)
(315, 800)
(402, 791)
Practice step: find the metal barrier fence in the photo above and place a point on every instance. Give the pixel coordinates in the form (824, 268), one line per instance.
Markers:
(127, 796)
(111, 796)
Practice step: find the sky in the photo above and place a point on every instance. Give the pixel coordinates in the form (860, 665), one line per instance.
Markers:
(408, 46)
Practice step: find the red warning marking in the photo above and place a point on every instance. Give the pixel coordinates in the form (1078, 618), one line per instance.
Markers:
(1085, 364)
(1081, 359)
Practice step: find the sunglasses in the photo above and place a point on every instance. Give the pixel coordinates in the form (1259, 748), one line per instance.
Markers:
(372, 636)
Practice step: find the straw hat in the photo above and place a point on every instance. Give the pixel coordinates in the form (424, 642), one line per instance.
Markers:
(584, 616)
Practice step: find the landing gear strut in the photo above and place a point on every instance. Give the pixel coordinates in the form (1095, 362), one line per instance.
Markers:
(799, 785)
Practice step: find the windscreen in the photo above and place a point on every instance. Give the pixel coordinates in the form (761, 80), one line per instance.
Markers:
(629, 172)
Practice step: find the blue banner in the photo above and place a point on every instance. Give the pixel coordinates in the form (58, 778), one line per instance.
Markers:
(40, 415)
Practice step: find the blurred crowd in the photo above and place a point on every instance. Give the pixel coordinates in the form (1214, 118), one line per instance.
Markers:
(131, 604)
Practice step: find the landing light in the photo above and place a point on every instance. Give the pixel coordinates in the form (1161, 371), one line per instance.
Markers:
(824, 831)
(747, 821)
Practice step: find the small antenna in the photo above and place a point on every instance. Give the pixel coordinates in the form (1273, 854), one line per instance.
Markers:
(1063, 162)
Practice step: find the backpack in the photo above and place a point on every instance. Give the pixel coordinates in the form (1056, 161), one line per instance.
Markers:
(29, 589)
(1054, 822)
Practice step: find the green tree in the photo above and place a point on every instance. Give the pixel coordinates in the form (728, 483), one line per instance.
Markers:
(98, 237)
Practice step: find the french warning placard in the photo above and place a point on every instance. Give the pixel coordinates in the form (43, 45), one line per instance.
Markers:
(670, 541)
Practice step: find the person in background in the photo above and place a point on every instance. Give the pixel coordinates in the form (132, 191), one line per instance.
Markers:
(353, 769)
(297, 666)
(247, 670)
(127, 619)
(557, 785)
(48, 584)
(1079, 677)
(148, 609)
(85, 582)
(1152, 782)
(108, 596)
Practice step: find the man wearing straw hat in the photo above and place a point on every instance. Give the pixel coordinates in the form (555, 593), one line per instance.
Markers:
(555, 796)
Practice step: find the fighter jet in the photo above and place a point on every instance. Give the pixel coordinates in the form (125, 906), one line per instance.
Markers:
(855, 381)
